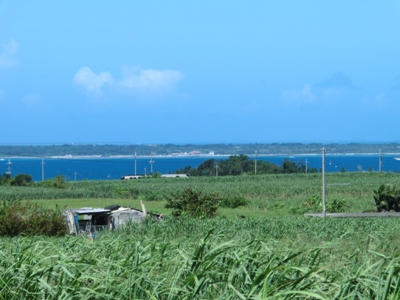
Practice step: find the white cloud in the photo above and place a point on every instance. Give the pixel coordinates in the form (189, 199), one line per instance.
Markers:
(296, 98)
(134, 80)
(150, 81)
(7, 54)
(92, 82)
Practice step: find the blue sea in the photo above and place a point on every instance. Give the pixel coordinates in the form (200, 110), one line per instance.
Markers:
(114, 168)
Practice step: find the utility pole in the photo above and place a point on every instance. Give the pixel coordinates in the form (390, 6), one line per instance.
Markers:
(151, 162)
(306, 163)
(255, 161)
(380, 160)
(323, 184)
(9, 167)
(216, 169)
(135, 163)
(145, 172)
(42, 163)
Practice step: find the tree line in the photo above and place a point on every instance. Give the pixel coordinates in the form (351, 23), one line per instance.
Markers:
(26, 180)
(242, 164)
(19, 180)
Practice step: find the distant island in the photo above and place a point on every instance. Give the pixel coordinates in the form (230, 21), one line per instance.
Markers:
(100, 150)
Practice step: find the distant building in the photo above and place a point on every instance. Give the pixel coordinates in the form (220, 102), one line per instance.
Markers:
(195, 152)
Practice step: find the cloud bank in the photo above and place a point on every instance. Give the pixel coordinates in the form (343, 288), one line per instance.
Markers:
(8, 54)
(150, 80)
(92, 82)
(134, 80)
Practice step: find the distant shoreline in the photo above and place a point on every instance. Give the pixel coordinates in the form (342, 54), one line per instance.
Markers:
(67, 157)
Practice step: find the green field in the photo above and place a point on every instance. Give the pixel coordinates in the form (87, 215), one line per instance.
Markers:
(265, 250)
(268, 195)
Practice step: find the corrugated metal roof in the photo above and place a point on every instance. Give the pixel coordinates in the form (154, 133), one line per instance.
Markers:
(89, 210)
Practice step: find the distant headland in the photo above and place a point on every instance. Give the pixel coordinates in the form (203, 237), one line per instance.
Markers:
(103, 150)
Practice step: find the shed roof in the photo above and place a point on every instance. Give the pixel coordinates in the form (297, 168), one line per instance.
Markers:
(90, 211)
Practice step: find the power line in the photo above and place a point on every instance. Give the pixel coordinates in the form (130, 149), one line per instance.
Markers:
(306, 163)
(9, 167)
(255, 161)
(323, 183)
(42, 163)
(151, 163)
(135, 163)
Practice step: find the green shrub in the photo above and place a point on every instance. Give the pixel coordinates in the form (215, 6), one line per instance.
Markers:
(193, 203)
(57, 182)
(337, 206)
(233, 202)
(30, 219)
(5, 179)
(21, 180)
(313, 204)
(387, 198)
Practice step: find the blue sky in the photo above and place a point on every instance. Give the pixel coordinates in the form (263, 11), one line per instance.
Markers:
(199, 71)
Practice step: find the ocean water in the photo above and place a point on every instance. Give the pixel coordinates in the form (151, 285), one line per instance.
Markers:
(114, 168)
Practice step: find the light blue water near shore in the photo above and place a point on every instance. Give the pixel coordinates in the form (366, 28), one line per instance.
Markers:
(114, 168)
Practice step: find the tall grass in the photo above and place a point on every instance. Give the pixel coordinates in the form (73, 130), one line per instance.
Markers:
(292, 258)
